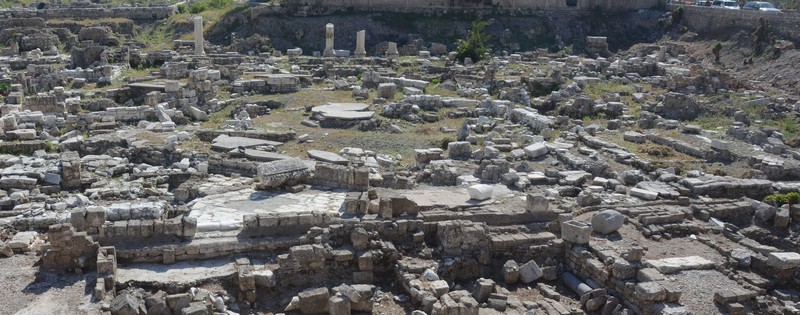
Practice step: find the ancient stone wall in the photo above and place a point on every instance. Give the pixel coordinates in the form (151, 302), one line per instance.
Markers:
(391, 5)
(339, 176)
(134, 13)
(712, 20)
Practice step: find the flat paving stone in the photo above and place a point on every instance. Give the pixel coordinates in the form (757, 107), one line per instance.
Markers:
(224, 212)
(227, 143)
(326, 156)
(676, 264)
(258, 155)
(344, 111)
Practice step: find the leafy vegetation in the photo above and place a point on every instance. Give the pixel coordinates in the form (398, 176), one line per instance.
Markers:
(716, 50)
(778, 200)
(203, 5)
(474, 47)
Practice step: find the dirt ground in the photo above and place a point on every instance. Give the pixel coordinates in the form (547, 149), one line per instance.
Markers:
(27, 291)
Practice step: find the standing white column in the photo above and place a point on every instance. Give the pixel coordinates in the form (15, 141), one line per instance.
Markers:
(361, 37)
(328, 41)
(198, 36)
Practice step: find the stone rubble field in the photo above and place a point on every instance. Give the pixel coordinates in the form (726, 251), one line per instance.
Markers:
(398, 181)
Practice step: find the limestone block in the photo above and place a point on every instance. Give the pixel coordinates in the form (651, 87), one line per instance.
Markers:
(510, 272)
(784, 260)
(480, 192)
(314, 301)
(650, 291)
(644, 194)
(607, 221)
(483, 288)
(536, 150)
(576, 232)
(530, 272)
(459, 150)
(339, 305)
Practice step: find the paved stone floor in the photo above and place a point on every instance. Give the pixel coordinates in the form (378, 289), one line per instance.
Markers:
(223, 212)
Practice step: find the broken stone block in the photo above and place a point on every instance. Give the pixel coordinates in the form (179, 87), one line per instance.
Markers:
(650, 291)
(607, 221)
(510, 272)
(648, 274)
(483, 288)
(644, 194)
(537, 203)
(576, 232)
(127, 304)
(265, 278)
(6, 251)
(314, 301)
(459, 150)
(387, 90)
(536, 150)
(339, 305)
(440, 287)
(784, 260)
(480, 192)
(530, 272)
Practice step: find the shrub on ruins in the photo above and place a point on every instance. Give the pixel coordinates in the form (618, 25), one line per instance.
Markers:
(716, 50)
(474, 46)
(778, 200)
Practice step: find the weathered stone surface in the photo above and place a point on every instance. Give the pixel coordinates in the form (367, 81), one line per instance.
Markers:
(480, 192)
(576, 232)
(329, 157)
(314, 301)
(784, 260)
(530, 272)
(607, 221)
(536, 150)
(676, 264)
(282, 172)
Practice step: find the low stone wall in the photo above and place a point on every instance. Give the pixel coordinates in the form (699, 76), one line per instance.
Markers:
(340, 176)
(228, 166)
(150, 231)
(392, 5)
(134, 13)
(283, 224)
(711, 20)
(69, 249)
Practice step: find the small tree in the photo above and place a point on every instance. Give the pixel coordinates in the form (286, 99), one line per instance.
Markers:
(475, 45)
(717, 48)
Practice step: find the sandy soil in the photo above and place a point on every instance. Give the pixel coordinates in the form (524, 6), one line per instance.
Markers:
(27, 291)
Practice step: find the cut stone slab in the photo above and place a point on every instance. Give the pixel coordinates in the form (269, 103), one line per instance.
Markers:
(676, 264)
(227, 143)
(536, 150)
(344, 111)
(576, 232)
(258, 155)
(786, 260)
(326, 156)
(644, 194)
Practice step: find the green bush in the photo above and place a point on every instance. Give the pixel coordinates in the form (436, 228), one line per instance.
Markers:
(475, 45)
(775, 200)
(203, 5)
(717, 48)
(181, 8)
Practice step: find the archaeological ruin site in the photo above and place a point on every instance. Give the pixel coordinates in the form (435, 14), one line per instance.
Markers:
(439, 157)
